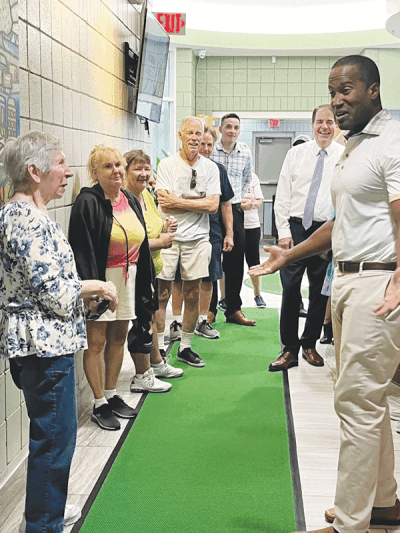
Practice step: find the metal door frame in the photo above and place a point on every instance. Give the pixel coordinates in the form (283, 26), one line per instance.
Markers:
(273, 135)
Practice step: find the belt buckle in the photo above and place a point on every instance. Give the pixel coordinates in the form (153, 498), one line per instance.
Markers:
(360, 269)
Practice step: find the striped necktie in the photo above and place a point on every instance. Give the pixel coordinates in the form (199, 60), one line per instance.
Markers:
(313, 191)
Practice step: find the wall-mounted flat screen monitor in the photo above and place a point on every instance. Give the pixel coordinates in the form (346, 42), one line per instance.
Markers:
(153, 66)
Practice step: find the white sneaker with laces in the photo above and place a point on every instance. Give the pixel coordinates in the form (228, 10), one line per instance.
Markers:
(167, 371)
(149, 383)
(175, 331)
(72, 514)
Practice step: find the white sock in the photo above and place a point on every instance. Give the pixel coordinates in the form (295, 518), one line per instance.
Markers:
(110, 393)
(161, 341)
(157, 365)
(186, 340)
(99, 402)
(201, 318)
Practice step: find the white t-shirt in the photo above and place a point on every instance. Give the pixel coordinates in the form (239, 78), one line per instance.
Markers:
(174, 174)
(251, 218)
(364, 182)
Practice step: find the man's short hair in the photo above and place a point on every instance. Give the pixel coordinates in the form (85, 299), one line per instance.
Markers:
(369, 72)
(229, 115)
(182, 124)
(212, 132)
(322, 106)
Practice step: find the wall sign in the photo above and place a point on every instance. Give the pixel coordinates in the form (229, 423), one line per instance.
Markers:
(174, 23)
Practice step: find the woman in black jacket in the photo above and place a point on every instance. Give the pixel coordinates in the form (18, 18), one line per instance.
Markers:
(108, 236)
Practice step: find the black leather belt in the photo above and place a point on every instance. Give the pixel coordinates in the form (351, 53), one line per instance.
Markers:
(299, 220)
(347, 267)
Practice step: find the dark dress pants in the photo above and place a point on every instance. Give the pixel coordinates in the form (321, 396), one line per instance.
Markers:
(233, 263)
(291, 277)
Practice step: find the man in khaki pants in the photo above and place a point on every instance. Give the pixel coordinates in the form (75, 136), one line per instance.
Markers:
(366, 295)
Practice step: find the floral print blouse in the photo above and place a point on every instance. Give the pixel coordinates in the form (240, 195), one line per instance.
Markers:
(40, 309)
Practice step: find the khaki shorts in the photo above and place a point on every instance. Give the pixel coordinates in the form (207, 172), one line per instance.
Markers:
(193, 256)
(126, 295)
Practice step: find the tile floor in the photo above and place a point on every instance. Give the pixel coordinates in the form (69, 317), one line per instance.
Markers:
(316, 429)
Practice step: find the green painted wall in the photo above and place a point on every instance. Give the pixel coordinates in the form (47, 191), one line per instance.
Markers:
(227, 83)
(388, 61)
(258, 84)
(185, 84)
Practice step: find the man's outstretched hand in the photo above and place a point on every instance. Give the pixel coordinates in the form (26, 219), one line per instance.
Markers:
(276, 260)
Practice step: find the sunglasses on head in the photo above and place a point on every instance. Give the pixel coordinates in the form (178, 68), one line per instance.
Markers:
(193, 180)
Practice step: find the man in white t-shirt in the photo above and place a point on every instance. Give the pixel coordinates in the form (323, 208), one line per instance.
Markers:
(188, 187)
(365, 242)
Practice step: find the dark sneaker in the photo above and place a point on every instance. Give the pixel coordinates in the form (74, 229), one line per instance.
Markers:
(189, 357)
(104, 417)
(260, 301)
(206, 330)
(120, 408)
(175, 331)
(222, 305)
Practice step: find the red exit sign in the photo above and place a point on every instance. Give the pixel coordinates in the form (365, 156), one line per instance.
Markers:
(174, 23)
(274, 123)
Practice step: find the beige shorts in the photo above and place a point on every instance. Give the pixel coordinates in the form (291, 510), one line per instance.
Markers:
(126, 295)
(193, 257)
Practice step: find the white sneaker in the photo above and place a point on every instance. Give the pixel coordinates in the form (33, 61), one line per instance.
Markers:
(175, 331)
(72, 514)
(398, 427)
(149, 383)
(167, 371)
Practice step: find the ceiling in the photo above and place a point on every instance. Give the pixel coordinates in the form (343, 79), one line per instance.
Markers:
(279, 27)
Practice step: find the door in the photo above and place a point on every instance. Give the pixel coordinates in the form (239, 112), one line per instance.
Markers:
(270, 152)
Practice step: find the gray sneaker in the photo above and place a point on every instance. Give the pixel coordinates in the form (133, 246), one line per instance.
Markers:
(260, 301)
(175, 331)
(104, 417)
(206, 330)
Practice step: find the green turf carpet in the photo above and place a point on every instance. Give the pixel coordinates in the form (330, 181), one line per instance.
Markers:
(211, 456)
(272, 284)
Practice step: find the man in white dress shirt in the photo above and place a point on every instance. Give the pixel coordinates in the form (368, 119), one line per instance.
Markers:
(304, 184)
(365, 295)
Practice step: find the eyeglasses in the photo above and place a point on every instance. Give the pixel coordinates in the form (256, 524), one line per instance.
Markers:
(193, 180)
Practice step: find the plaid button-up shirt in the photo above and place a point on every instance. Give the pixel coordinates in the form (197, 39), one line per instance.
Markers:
(238, 165)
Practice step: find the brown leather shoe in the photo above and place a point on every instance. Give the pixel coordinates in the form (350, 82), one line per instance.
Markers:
(238, 318)
(312, 357)
(380, 516)
(285, 361)
(329, 529)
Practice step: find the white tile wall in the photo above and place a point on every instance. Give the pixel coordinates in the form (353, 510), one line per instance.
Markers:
(71, 71)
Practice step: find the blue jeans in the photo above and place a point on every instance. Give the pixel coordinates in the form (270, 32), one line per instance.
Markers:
(48, 384)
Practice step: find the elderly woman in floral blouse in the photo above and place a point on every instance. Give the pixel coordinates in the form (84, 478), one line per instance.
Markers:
(42, 321)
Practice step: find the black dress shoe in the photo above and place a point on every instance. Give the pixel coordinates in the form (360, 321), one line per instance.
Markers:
(285, 361)
(327, 337)
(302, 311)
